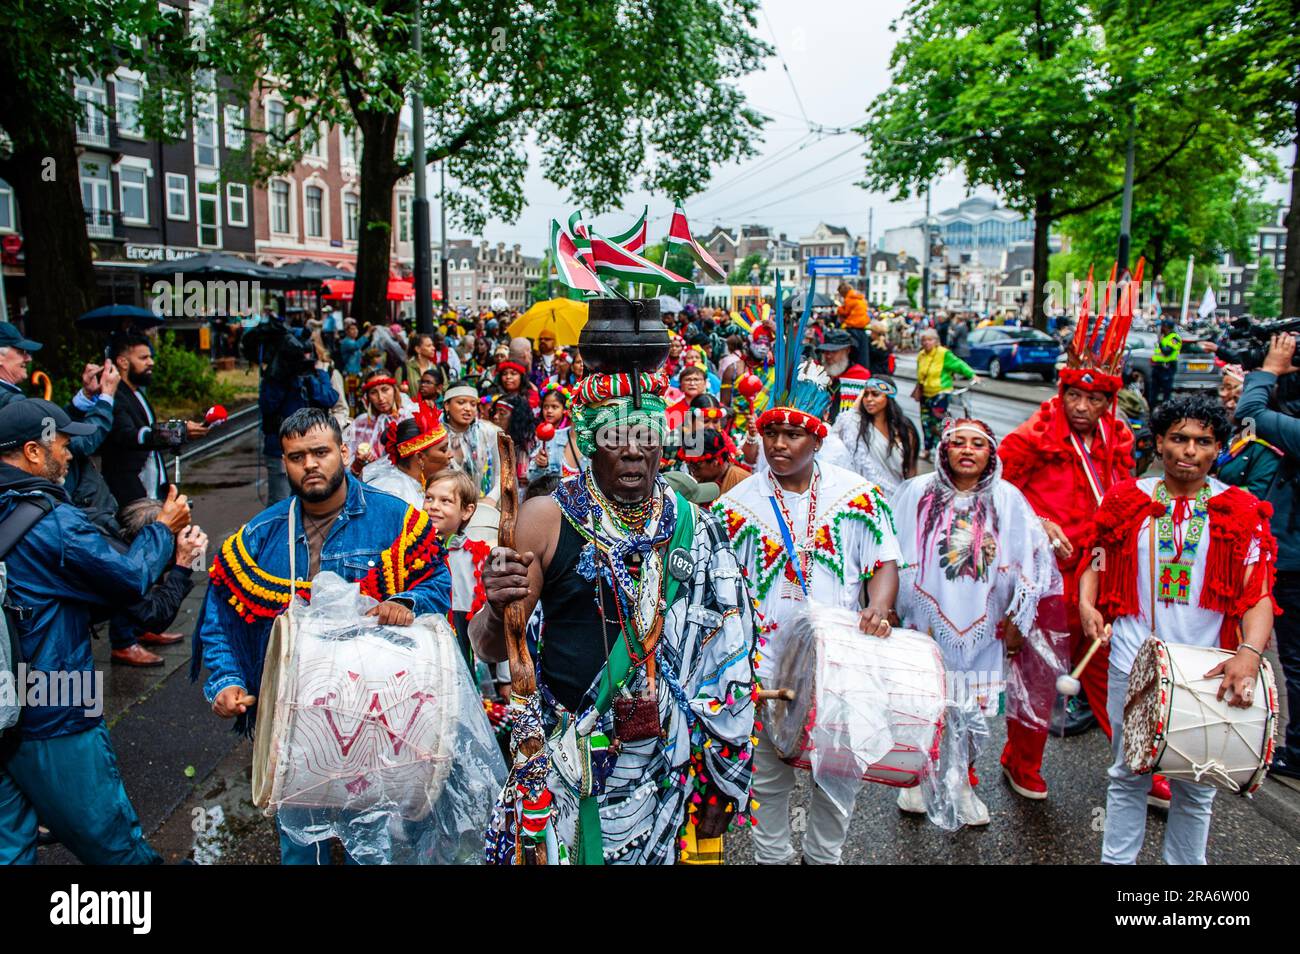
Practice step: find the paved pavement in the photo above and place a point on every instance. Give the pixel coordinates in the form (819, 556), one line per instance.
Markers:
(188, 775)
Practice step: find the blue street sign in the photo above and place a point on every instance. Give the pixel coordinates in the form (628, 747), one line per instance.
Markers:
(835, 265)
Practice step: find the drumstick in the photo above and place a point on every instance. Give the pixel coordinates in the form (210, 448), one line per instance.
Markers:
(1070, 685)
(786, 695)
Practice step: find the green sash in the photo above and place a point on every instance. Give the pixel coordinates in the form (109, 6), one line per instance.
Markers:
(590, 840)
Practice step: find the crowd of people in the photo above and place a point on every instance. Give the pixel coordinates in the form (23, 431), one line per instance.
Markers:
(702, 515)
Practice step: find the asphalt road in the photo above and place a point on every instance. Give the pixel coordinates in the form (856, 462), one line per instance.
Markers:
(188, 775)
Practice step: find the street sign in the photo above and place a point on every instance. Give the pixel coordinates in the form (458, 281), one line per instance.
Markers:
(835, 265)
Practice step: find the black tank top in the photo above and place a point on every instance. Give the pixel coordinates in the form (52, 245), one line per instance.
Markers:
(575, 642)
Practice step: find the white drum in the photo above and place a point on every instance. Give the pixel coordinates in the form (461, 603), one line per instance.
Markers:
(853, 690)
(356, 716)
(1175, 725)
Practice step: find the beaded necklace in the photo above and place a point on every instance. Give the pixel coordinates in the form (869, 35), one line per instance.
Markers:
(803, 547)
(1178, 535)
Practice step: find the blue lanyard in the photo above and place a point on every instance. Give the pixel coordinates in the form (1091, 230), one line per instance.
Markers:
(788, 540)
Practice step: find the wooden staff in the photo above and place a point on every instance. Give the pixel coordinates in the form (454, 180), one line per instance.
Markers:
(523, 679)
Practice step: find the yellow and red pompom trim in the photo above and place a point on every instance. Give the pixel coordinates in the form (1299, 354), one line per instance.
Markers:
(254, 594)
(409, 561)
(795, 417)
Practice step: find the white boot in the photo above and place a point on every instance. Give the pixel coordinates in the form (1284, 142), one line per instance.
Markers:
(910, 800)
(970, 810)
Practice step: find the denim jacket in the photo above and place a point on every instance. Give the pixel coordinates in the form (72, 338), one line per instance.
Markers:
(233, 650)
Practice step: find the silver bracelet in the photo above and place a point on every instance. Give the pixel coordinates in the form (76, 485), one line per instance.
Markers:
(1251, 648)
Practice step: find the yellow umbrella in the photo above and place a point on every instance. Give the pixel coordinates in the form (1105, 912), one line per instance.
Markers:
(564, 316)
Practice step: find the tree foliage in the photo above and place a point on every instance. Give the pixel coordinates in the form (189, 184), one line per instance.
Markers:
(743, 273)
(1035, 100)
(46, 46)
(1265, 292)
(606, 95)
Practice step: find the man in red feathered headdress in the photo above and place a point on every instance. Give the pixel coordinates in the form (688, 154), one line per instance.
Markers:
(1190, 561)
(1064, 458)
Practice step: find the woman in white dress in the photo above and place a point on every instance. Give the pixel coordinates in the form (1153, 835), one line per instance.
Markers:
(874, 438)
(978, 575)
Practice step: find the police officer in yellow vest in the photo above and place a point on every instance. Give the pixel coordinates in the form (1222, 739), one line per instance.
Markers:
(1164, 362)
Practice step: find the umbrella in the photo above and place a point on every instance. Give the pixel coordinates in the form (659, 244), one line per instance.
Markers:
(562, 315)
(669, 305)
(215, 265)
(819, 300)
(399, 289)
(310, 273)
(112, 318)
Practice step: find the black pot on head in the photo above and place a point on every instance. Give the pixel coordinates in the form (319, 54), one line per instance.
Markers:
(623, 337)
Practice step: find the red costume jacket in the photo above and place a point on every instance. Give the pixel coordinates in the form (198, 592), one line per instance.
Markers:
(1040, 459)
(1237, 519)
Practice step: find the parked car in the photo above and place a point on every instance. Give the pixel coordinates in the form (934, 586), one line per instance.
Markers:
(999, 350)
(1198, 368)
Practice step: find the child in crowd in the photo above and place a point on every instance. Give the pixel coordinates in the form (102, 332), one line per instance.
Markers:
(450, 500)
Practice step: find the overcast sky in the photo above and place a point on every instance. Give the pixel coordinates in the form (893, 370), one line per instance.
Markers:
(837, 52)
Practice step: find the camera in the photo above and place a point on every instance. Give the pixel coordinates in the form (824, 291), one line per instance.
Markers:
(1246, 342)
(172, 433)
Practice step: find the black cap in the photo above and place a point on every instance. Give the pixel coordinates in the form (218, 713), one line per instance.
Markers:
(30, 420)
(836, 340)
(11, 337)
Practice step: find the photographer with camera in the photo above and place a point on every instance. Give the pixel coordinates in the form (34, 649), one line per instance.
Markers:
(1268, 405)
(291, 381)
(131, 455)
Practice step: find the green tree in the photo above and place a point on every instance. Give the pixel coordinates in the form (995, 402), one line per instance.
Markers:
(1265, 292)
(46, 46)
(1205, 203)
(743, 273)
(1033, 100)
(914, 290)
(609, 94)
(1250, 52)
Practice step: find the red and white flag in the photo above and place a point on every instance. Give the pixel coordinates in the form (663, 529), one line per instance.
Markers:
(569, 265)
(679, 233)
(615, 261)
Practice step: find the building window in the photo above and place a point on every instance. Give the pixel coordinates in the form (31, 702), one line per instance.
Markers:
(92, 118)
(403, 218)
(234, 117)
(205, 130)
(178, 196)
(97, 198)
(128, 106)
(236, 204)
(8, 221)
(351, 216)
(349, 148)
(280, 207)
(317, 146)
(312, 198)
(133, 194)
(275, 121)
(209, 214)
(1269, 241)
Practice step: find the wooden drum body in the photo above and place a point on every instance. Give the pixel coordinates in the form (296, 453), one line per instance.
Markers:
(1175, 725)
